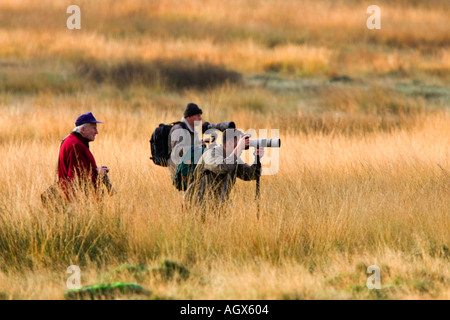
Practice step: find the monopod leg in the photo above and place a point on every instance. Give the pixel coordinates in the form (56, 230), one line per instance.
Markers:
(258, 196)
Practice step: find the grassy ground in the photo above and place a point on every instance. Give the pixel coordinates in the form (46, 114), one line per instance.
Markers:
(364, 174)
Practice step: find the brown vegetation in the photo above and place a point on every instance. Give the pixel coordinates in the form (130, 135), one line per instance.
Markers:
(364, 164)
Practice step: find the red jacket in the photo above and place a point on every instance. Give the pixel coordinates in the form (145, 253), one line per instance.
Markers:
(76, 160)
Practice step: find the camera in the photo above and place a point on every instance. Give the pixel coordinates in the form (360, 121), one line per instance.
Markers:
(222, 126)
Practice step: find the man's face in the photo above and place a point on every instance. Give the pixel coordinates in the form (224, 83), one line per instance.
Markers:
(191, 120)
(90, 131)
(230, 146)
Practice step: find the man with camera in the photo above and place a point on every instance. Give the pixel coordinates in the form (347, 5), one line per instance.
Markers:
(218, 168)
(184, 135)
(76, 164)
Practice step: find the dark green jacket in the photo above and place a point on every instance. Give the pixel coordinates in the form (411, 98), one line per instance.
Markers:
(215, 176)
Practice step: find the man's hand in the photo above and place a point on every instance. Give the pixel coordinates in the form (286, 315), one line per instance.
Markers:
(102, 170)
(259, 152)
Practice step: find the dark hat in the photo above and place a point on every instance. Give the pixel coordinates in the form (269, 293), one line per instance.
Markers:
(86, 118)
(191, 110)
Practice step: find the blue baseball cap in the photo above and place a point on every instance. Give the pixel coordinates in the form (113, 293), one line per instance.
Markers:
(86, 118)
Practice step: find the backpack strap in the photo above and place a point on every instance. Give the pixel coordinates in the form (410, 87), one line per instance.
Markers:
(181, 123)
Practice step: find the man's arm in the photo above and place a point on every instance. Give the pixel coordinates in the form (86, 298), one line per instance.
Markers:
(72, 164)
(213, 160)
(247, 173)
(219, 165)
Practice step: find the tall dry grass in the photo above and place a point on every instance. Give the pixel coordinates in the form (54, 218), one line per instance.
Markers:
(364, 165)
(338, 204)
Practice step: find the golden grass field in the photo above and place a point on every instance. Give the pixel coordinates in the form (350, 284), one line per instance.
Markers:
(364, 174)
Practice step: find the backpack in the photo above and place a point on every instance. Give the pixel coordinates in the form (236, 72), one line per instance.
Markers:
(185, 169)
(159, 144)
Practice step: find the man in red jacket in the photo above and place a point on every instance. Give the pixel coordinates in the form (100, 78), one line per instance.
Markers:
(76, 162)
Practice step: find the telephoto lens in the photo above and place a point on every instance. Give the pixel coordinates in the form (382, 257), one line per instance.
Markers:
(226, 125)
(265, 143)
